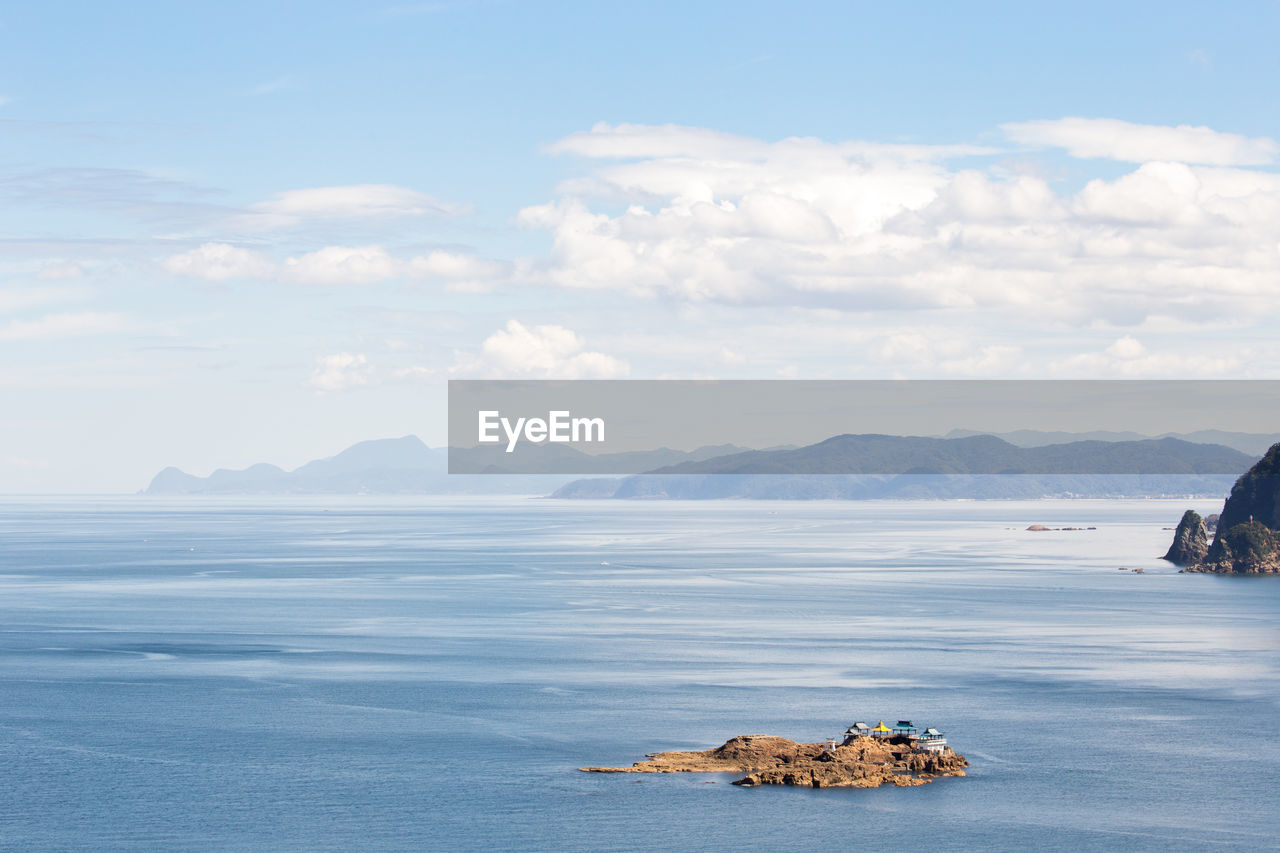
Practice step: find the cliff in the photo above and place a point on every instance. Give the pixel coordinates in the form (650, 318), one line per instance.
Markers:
(858, 762)
(1190, 542)
(1247, 541)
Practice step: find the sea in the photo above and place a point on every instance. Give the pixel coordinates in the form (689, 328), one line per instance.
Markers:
(429, 673)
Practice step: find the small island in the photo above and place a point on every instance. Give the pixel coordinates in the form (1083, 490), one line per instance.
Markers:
(866, 757)
(1247, 532)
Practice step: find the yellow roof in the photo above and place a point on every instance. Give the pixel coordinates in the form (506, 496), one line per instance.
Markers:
(882, 728)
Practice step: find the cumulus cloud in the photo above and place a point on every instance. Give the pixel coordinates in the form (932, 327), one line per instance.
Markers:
(340, 372)
(700, 216)
(360, 201)
(219, 262)
(60, 326)
(545, 352)
(1112, 139)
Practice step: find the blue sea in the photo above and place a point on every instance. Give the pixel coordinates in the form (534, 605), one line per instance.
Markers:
(427, 674)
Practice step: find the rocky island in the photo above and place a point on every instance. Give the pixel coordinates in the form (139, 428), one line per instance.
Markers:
(1247, 537)
(859, 761)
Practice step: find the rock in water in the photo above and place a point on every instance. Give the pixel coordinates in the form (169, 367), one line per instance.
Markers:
(1191, 542)
(1247, 541)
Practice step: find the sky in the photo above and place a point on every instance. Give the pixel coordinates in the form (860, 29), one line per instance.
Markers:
(244, 232)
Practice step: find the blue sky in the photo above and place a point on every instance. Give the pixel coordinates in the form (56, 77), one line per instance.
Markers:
(259, 232)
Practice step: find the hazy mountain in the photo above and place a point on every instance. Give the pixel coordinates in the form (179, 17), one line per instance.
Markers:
(388, 466)
(529, 458)
(408, 466)
(880, 466)
(980, 454)
(1254, 444)
(847, 467)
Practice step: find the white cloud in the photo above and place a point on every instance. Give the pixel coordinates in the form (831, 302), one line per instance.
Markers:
(465, 273)
(1127, 357)
(338, 265)
(218, 262)
(673, 141)
(342, 265)
(1113, 139)
(699, 216)
(546, 351)
(340, 372)
(59, 326)
(361, 201)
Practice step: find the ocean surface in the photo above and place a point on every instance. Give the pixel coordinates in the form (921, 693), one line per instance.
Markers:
(427, 674)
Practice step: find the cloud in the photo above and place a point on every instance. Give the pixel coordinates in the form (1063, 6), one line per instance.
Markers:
(361, 201)
(59, 326)
(1112, 139)
(150, 196)
(339, 265)
(57, 271)
(15, 299)
(1128, 357)
(219, 262)
(544, 352)
(279, 84)
(645, 141)
(697, 216)
(1201, 57)
(340, 372)
(342, 265)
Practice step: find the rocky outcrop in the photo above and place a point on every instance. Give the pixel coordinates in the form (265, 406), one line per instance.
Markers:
(1190, 542)
(858, 762)
(1247, 541)
(1250, 549)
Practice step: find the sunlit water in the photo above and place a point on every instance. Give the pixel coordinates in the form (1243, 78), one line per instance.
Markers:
(428, 675)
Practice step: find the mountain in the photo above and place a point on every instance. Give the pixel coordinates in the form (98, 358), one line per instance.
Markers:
(1248, 537)
(843, 467)
(388, 466)
(853, 467)
(402, 466)
(981, 454)
(551, 458)
(1253, 444)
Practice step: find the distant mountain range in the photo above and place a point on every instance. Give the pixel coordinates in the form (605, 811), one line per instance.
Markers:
(841, 467)
(401, 466)
(388, 466)
(1254, 444)
(980, 466)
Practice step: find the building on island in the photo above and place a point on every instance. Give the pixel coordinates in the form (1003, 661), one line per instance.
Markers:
(931, 741)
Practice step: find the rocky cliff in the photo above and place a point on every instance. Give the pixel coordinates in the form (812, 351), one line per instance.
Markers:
(1247, 541)
(859, 762)
(1191, 542)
